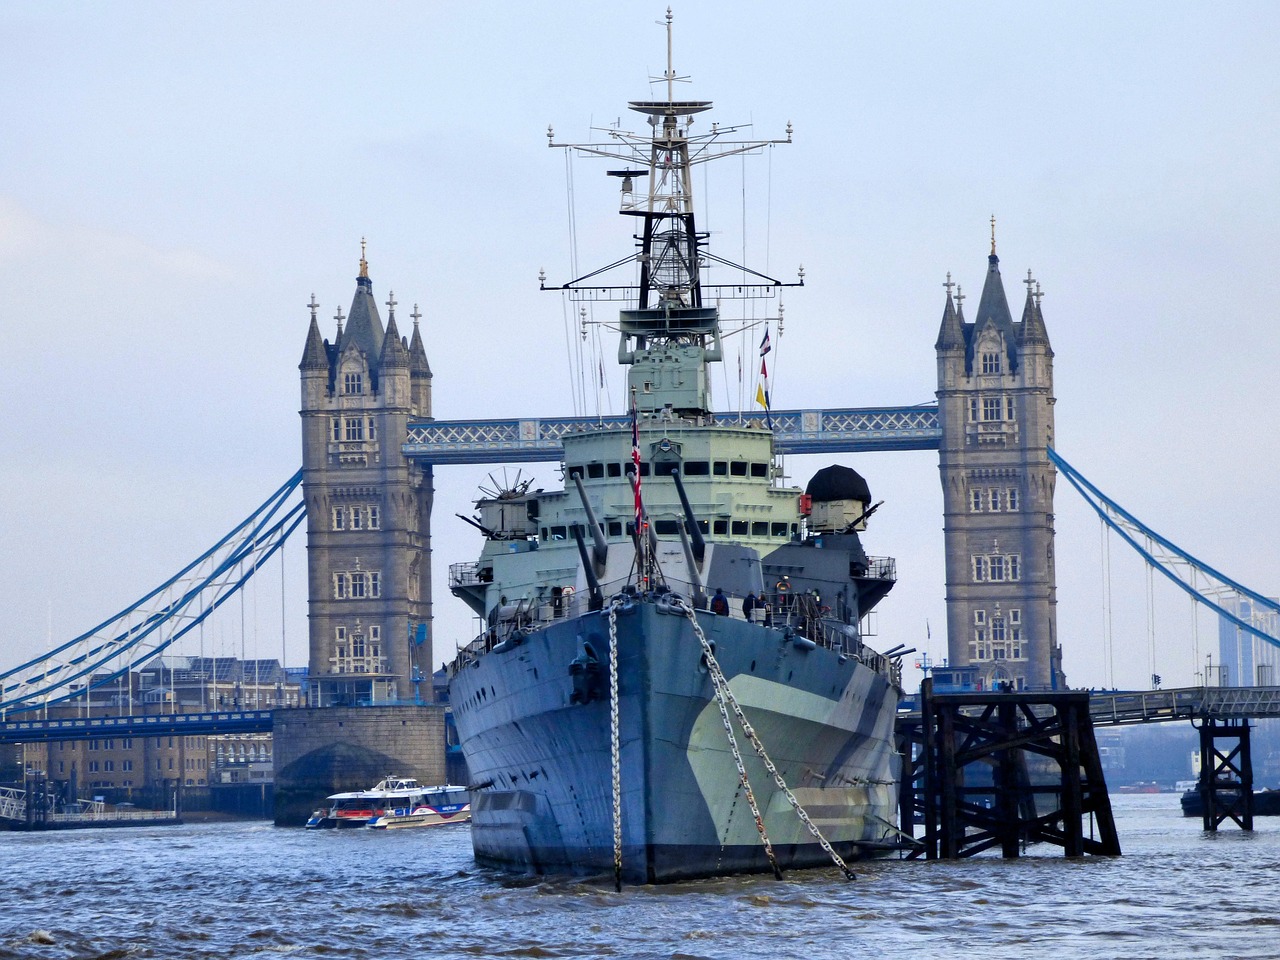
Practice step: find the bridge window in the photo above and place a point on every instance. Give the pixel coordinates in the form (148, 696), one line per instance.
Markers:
(760, 470)
(979, 569)
(595, 471)
(973, 409)
(739, 528)
(720, 527)
(997, 499)
(737, 468)
(720, 468)
(357, 584)
(337, 429)
(779, 530)
(615, 528)
(613, 469)
(354, 429)
(696, 468)
(1011, 498)
(990, 363)
(975, 500)
(339, 518)
(760, 528)
(666, 528)
(353, 383)
(991, 408)
(1008, 409)
(373, 429)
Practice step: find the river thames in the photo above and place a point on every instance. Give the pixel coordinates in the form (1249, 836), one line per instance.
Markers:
(254, 890)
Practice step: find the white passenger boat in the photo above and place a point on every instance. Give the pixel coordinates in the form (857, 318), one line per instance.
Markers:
(394, 802)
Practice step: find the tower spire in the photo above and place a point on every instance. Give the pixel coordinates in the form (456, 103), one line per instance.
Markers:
(993, 235)
(364, 264)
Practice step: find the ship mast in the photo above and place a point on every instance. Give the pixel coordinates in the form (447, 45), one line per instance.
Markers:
(670, 335)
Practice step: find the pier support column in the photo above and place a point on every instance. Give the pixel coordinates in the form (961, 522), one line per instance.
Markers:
(1008, 769)
(1226, 774)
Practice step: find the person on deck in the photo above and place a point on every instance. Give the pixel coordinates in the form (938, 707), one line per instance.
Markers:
(720, 604)
(749, 607)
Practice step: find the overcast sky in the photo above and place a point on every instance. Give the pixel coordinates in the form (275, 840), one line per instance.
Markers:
(177, 180)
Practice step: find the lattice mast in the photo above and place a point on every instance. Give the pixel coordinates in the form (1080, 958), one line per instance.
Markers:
(671, 334)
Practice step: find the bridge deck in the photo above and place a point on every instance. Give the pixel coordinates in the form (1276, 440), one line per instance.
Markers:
(852, 430)
(207, 723)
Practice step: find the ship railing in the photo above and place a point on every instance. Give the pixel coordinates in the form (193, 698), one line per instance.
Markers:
(882, 568)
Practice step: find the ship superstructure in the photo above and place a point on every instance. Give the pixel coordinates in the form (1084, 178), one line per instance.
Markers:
(674, 588)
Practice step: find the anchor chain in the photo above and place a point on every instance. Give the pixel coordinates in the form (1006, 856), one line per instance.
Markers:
(723, 695)
(614, 744)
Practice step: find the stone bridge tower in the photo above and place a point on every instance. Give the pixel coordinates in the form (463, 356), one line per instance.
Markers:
(995, 406)
(368, 508)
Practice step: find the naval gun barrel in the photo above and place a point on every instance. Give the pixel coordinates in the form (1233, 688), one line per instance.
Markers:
(600, 545)
(690, 522)
(596, 601)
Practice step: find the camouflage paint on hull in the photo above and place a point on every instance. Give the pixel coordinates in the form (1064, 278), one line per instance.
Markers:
(540, 762)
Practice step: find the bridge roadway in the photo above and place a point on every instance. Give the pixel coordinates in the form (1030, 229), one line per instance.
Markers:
(1107, 708)
(851, 430)
(207, 723)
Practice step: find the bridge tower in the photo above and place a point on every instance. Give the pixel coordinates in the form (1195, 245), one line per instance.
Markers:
(368, 508)
(995, 408)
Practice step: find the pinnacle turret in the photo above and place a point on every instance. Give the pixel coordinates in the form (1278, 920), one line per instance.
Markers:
(951, 331)
(314, 354)
(418, 365)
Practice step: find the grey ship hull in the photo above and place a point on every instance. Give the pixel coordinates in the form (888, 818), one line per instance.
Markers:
(541, 766)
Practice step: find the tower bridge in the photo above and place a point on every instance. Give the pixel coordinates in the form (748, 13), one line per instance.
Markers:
(371, 444)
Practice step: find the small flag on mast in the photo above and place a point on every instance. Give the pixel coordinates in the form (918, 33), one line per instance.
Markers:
(765, 345)
(762, 391)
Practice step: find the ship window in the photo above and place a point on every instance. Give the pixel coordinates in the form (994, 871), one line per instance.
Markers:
(648, 386)
(720, 527)
(779, 530)
(666, 528)
(720, 468)
(759, 469)
(760, 528)
(664, 468)
(545, 534)
(615, 528)
(696, 468)
(559, 533)
(644, 469)
(575, 472)
(704, 526)
(795, 530)
(739, 528)
(595, 470)
(615, 469)
(737, 469)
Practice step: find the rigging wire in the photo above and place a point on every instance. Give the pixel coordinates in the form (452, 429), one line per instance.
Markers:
(565, 311)
(1108, 649)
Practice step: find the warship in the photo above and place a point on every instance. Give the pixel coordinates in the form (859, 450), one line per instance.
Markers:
(672, 680)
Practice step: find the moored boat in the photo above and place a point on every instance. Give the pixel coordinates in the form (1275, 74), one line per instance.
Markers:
(673, 681)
